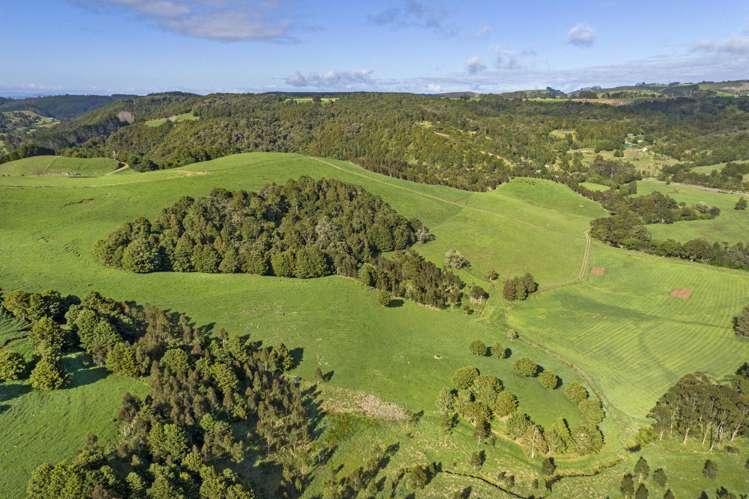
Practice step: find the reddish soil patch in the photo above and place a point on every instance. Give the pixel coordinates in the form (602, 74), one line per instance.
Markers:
(682, 293)
(598, 271)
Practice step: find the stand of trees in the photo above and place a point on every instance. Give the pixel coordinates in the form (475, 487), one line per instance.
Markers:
(699, 408)
(480, 399)
(183, 439)
(730, 177)
(306, 228)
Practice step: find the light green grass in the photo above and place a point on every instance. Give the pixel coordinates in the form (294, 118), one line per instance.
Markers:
(645, 160)
(58, 165)
(177, 118)
(730, 226)
(592, 186)
(403, 354)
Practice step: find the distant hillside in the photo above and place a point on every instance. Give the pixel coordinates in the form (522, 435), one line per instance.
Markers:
(61, 107)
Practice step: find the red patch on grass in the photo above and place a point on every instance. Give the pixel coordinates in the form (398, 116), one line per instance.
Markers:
(683, 293)
(598, 271)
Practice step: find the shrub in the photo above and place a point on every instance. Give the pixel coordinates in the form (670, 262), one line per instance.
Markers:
(492, 275)
(478, 348)
(642, 469)
(518, 424)
(587, 438)
(486, 389)
(48, 374)
(519, 288)
(659, 477)
(548, 467)
(549, 380)
(122, 360)
(575, 392)
(48, 336)
(505, 404)
(499, 351)
(642, 492)
(455, 260)
(525, 367)
(512, 334)
(740, 204)
(384, 298)
(477, 459)
(741, 323)
(591, 410)
(464, 377)
(12, 365)
(710, 470)
(446, 400)
(142, 256)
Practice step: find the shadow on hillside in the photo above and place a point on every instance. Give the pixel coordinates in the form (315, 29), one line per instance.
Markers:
(9, 392)
(83, 371)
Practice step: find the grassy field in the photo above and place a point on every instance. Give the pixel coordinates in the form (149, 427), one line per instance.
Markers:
(58, 165)
(621, 332)
(730, 226)
(645, 160)
(177, 118)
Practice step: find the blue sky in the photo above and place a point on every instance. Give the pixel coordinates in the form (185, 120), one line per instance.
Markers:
(141, 46)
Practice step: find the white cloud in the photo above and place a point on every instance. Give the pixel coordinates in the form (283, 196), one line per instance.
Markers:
(414, 14)
(333, 80)
(581, 35)
(474, 65)
(225, 20)
(736, 45)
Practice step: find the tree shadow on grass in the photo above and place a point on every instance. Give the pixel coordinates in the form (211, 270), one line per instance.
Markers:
(83, 371)
(11, 391)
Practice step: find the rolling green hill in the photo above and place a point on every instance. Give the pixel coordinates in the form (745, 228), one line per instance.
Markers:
(619, 331)
(58, 165)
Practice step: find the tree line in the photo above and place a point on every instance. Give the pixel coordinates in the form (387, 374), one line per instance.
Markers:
(699, 408)
(183, 438)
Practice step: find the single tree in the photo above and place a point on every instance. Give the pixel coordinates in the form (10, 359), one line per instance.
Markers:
(642, 469)
(627, 487)
(740, 204)
(479, 348)
(642, 492)
(710, 469)
(659, 477)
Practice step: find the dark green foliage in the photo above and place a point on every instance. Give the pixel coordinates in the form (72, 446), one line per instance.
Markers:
(669, 495)
(212, 400)
(642, 492)
(549, 380)
(627, 486)
(519, 288)
(518, 424)
(384, 298)
(659, 477)
(710, 469)
(741, 323)
(477, 459)
(315, 224)
(33, 306)
(48, 374)
(740, 204)
(698, 407)
(575, 392)
(505, 404)
(306, 228)
(479, 348)
(500, 352)
(455, 260)
(592, 410)
(526, 367)
(642, 469)
(464, 377)
(12, 365)
(548, 467)
(587, 438)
